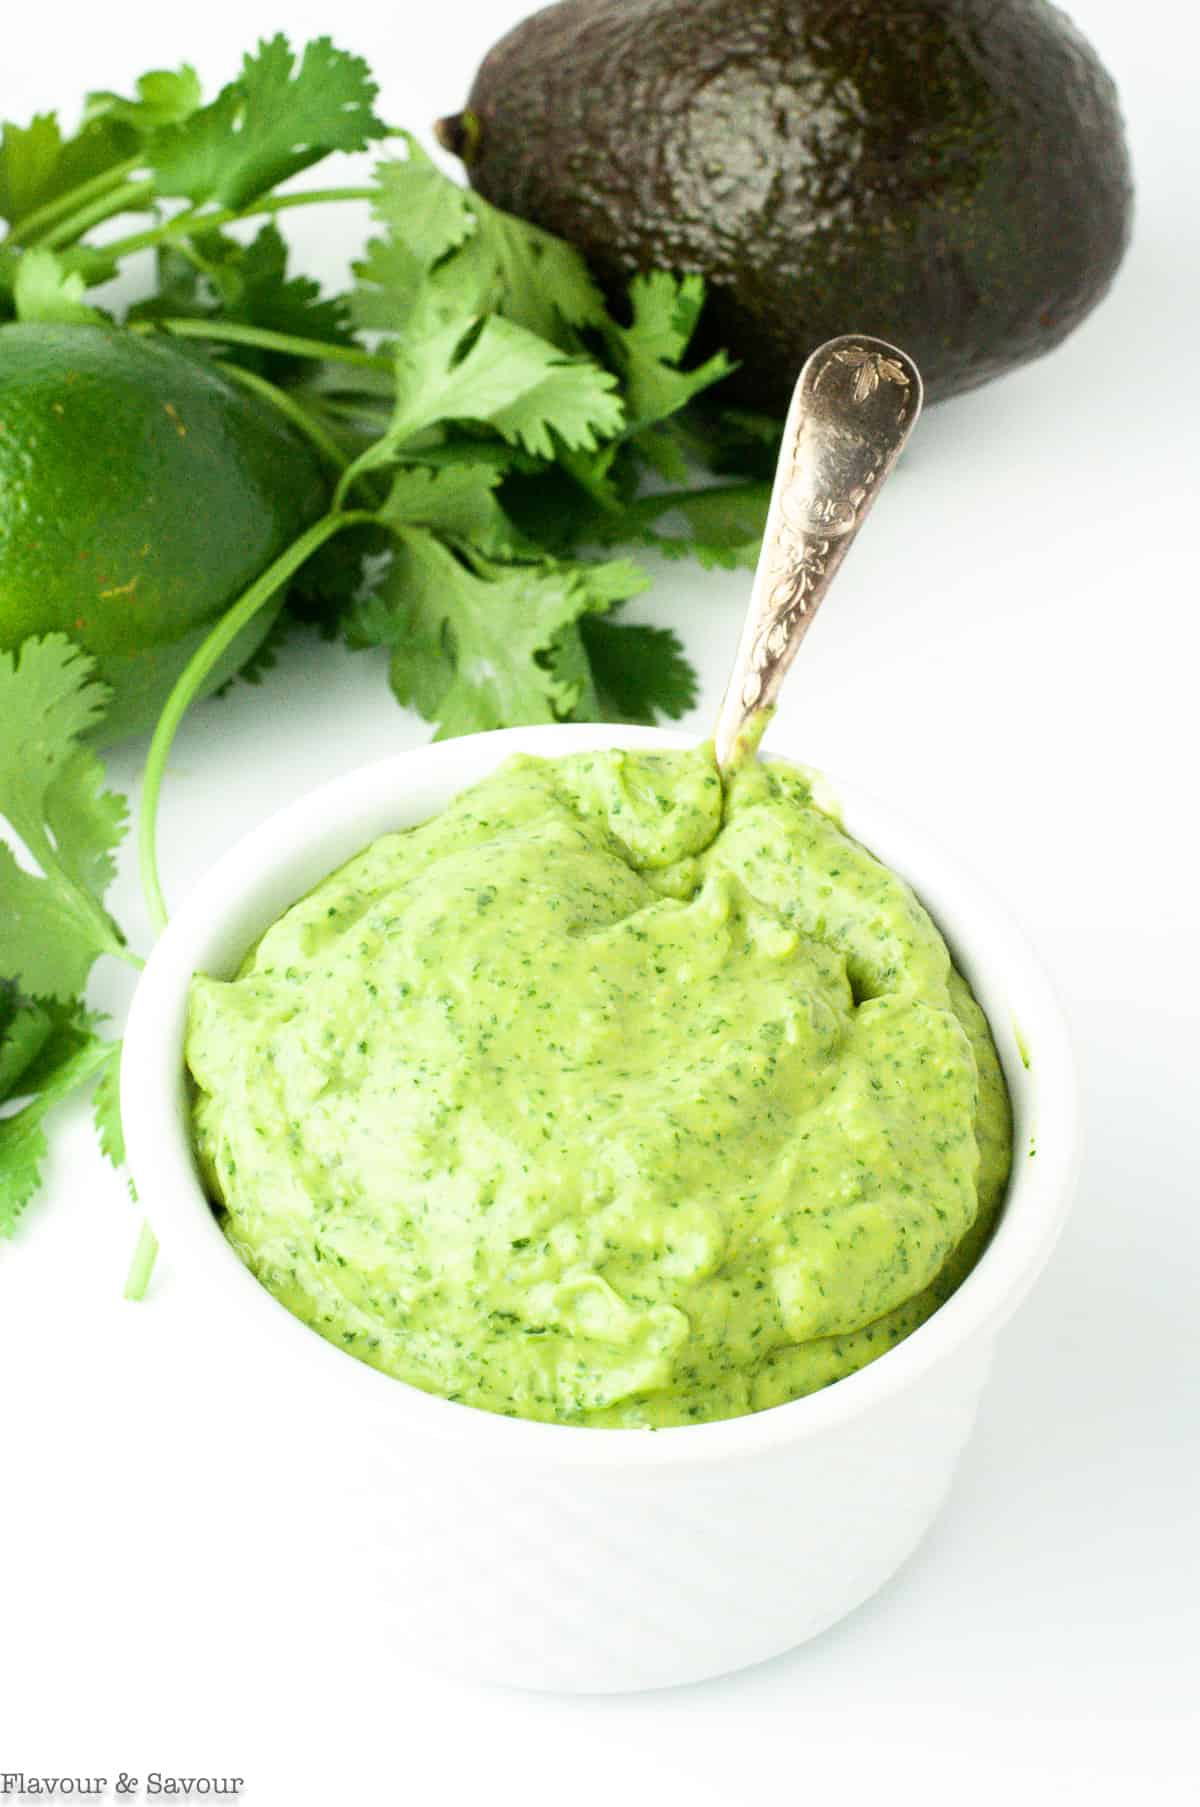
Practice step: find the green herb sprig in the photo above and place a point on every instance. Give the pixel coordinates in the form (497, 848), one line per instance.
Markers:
(490, 427)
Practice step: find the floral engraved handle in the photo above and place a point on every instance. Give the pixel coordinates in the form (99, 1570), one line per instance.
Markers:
(854, 406)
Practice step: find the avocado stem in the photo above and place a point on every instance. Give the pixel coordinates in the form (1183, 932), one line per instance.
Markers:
(191, 680)
(460, 134)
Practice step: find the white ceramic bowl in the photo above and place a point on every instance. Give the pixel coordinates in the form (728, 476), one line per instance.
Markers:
(554, 1557)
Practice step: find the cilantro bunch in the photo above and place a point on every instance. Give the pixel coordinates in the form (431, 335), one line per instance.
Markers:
(496, 436)
(53, 924)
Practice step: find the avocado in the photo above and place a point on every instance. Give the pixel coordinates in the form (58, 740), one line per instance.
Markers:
(948, 174)
(140, 493)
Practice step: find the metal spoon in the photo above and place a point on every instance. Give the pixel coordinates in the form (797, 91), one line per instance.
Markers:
(854, 407)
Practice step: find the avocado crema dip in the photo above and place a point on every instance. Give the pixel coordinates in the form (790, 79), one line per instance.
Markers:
(613, 1095)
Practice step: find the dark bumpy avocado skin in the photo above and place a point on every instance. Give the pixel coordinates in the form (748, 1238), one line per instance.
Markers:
(948, 174)
(140, 493)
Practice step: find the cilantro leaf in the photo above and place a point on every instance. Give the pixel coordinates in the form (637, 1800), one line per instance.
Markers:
(273, 121)
(568, 659)
(48, 699)
(43, 289)
(449, 252)
(472, 640)
(608, 476)
(10, 263)
(164, 97)
(423, 209)
(197, 158)
(38, 165)
(507, 377)
(72, 1054)
(722, 526)
(659, 448)
(426, 216)
(533, 279)
(30, 157)
(23, 1148)
(731, 441)
(52, 922)
(457, 501)
(86, 821)
(609, 586)
(330, 585)
(179, 288)
(91, 262)
(649, 351)
(49, 935)
(219, 278)
(261, 293)
(390, 285)
(25, 1026)
(611, 583)
(639, 671)
(574, 501)
(106, 1108)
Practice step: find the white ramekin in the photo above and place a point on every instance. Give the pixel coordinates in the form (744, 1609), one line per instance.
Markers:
(590, 1560)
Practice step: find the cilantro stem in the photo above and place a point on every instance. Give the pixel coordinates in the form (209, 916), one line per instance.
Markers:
(231, 332)
(191, 679)
(359, 468)
(304, 197)
(77, 197)
(380, 451)
(301, 419)
(193, 222)
(356, 411)
(128, 196)
(142, 1265)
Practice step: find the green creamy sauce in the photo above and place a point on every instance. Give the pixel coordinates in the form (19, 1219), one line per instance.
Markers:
(609, 1096)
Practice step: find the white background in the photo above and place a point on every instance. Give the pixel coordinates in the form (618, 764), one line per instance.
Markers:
(1011, 656)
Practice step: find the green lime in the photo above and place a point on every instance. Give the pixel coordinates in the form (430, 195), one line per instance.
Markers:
(140, 493)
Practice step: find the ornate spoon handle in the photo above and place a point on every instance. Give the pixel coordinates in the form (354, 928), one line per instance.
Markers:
(854, 406)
